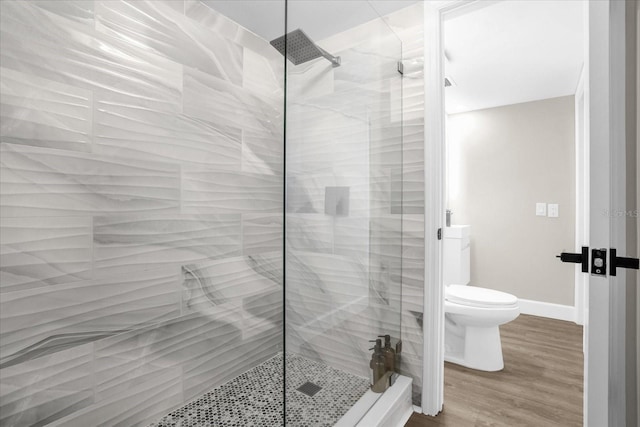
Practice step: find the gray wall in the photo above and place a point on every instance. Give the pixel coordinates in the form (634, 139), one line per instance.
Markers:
(507, 159)
(141, 205)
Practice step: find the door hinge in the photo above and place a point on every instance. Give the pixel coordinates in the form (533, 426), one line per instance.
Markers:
(439, 233)
(400, 67)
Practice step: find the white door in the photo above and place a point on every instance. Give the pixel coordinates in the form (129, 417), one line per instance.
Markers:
(605, 373)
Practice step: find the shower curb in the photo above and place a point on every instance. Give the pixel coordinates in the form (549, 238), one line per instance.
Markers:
(391, 409)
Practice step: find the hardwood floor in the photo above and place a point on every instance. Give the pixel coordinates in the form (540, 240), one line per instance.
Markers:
(541, 384)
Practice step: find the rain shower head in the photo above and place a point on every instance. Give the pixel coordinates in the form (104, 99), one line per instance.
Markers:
(300, 48)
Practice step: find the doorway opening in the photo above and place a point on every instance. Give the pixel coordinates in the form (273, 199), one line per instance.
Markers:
(515, 192)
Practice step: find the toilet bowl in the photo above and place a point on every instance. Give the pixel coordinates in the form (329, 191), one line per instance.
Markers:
(472, 319)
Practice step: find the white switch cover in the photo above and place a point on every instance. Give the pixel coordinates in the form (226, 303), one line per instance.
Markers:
(553, 210)
(541, 209)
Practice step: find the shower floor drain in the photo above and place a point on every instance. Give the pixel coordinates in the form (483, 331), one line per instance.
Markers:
(308, 388)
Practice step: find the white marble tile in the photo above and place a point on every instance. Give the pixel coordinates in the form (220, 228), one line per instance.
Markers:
(412, 367)
(261, 233)
(310, 232)
(40, 112)
(343, 346)
(136, 406)
(413, 274)
(132, 243)
(325, 138)
(413, 101)
(142, 133)
(324, 289)
(412, 321)
(137, 357)
(213, 192)
(306, 192)
(386, 238)
(78, 10)
(70, 52)
(42, 390)
(44, 252)
(209, 350)
(407, 190)
(373, 59)
(387, 146)
(379, 191)
(201, 13)
(352, 238)
(41, 321)
(413, 145)
(413, 189)
(44, 182)
(218, 289)
(227, 359)
(262, 153)
(359, 191)
(263, 76)
(157, 27)
(220, 102)
(413, 237)
(309, 81)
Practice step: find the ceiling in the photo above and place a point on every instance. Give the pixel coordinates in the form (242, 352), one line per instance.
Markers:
(498, 52)
(318, 18)
(510, 52)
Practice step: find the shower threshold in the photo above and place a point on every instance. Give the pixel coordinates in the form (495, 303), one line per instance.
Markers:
(255, 397)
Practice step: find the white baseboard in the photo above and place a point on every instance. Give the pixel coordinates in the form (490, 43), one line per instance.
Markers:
(547, 309)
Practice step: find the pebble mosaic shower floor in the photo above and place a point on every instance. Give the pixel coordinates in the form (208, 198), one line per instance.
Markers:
(255, 398)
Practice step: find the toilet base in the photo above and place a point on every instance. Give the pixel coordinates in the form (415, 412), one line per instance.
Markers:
(474, 347)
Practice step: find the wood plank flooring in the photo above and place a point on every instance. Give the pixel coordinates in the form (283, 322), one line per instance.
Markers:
(541, 384)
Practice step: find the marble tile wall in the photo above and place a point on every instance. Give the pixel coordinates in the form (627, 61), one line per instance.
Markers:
(140, 205)
(352, 277)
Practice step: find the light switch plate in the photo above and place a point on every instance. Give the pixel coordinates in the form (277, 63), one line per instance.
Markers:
(541, 209)
(553, 210)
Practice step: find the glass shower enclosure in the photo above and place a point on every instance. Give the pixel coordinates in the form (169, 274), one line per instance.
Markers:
(194, 229)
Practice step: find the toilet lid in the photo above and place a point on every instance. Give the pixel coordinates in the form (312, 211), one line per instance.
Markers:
(479, 297)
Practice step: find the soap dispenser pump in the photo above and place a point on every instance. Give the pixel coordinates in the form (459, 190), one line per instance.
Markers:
(377, 364)
(389, 354)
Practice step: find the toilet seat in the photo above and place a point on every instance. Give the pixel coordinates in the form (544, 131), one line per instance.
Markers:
(473, 296)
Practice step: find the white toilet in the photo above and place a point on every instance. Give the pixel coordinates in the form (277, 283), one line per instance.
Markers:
(472, 314)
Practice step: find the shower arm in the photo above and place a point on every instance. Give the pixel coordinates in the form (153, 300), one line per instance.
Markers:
(335, 60)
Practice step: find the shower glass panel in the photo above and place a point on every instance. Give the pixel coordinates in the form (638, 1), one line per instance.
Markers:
(343, 218)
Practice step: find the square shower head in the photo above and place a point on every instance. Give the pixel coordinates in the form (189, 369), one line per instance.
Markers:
(300, 48)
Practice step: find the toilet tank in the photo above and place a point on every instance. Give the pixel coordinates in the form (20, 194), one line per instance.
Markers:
(457, 255)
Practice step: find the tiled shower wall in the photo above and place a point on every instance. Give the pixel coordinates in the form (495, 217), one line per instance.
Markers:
(141, 208)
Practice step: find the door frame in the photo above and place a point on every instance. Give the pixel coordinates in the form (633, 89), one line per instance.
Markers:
(581, 108)
(604, 370)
